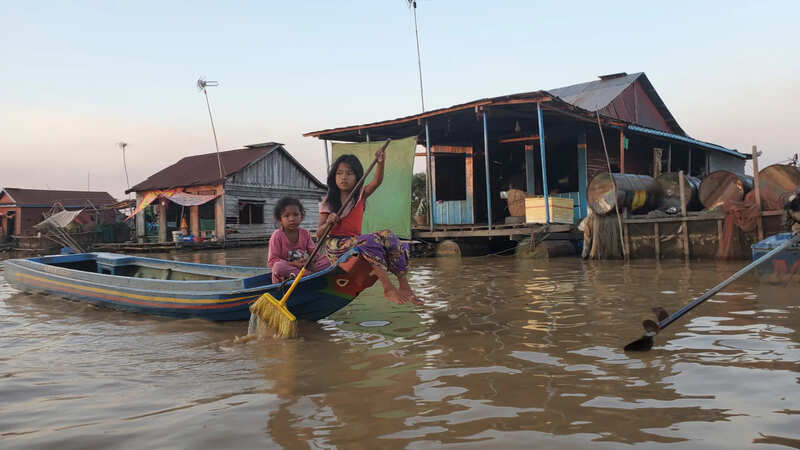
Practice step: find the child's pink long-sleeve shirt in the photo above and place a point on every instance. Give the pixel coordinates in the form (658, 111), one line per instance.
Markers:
(281, 249)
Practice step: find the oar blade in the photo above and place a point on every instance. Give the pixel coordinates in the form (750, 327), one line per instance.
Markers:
(643, 344)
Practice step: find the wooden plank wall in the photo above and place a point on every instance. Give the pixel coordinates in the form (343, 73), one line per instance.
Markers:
(275, 169)
(268, 180)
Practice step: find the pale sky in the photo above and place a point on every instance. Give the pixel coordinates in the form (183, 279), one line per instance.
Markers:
(78, 77)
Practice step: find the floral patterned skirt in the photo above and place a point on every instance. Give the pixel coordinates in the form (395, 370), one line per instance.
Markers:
(381, 248)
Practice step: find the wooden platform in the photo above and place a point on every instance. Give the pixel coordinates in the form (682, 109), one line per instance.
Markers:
(151, 247)
(482, 230)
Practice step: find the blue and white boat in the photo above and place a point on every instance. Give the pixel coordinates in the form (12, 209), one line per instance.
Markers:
(785, 266)
(181, 289)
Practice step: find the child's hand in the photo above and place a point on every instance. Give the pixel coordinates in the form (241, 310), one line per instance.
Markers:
(332, 219)
(380, 155)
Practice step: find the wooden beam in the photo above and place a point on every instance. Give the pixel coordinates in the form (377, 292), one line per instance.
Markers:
(194, 220)
(684, 224)
(657, 241)
(698, 218)
(429, 114)
(533, 138)
(621, 151)
(219, 216)
(162, 220)
(757, 189)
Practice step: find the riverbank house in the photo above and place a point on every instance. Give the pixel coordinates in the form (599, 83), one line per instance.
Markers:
(544, 143)
(229, 197)
(21, 209)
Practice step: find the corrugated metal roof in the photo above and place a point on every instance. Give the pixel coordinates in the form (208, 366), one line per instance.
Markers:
(595, 95)
(688, 140)
(199, 170)
(69, 199)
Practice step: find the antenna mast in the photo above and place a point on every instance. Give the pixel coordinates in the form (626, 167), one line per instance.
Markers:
(202, 84)
(413, 5)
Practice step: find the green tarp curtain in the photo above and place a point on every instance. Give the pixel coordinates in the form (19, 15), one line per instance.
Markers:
(390, 205)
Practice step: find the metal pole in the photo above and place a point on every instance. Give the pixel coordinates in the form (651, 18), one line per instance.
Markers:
(544, 163)
(123, 145)
(367, 137)
(327, 159)
(429, 175)
(214, 130)
(486, 159)
(419, 59)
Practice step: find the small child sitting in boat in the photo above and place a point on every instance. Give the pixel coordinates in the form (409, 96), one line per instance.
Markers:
(382, 249)
(290, 245)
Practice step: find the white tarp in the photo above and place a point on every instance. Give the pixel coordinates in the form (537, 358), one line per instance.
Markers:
(184, 199)
(59, 219)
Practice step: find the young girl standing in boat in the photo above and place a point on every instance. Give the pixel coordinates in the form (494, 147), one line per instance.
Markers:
(290, 245)
(382, 249)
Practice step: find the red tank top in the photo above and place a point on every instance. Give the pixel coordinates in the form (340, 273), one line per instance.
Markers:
(350, 225)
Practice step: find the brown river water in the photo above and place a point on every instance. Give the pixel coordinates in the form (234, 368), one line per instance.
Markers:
(505, 353)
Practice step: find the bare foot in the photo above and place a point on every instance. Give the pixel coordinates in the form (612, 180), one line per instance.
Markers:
(406, 291)
(394, 296)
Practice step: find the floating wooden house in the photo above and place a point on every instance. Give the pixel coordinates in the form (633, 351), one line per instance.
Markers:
(544, 143)
(237, 205)
(21, 209)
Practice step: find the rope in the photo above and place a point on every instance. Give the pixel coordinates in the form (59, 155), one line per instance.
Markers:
(614, 184)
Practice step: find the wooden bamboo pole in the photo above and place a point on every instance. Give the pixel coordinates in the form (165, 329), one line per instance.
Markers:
(757, 193)
(684, 224)
(627, 249)
(657, 242)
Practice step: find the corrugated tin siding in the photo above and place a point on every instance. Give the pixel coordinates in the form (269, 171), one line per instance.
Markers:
(721, 161)
(276, 170)
(633, 105)
(267, 180)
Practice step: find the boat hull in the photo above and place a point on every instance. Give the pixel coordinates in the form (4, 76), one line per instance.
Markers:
(784, 267)
(226, 298)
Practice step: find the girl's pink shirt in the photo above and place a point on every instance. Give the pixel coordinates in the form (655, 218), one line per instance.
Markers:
(280, 246)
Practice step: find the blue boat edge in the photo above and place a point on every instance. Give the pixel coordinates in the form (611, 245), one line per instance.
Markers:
(784, 267)
(317, 295)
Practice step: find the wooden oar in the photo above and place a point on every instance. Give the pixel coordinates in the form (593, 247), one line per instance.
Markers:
(273, 311)
(652, 328)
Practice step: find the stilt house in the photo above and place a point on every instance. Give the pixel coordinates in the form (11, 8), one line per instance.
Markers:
(236, 205)
(545, 143)
(21, 209)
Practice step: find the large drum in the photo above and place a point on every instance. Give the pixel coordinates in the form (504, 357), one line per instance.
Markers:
(720, 186)
(670, 186)
(638, 193)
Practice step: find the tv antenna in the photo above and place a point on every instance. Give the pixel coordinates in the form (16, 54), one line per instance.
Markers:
(412, 5)
(202, 84)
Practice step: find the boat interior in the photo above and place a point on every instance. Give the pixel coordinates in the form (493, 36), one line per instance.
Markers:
(152, 268)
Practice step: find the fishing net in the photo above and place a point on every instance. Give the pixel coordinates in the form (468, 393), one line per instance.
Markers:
(740, 217)
(605, 237)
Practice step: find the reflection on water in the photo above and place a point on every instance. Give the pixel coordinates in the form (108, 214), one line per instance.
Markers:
(505, 353)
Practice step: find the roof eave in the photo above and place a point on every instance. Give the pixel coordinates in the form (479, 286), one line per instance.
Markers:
(528, 97)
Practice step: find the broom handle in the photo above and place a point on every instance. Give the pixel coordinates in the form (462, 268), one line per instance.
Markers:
(341, 210)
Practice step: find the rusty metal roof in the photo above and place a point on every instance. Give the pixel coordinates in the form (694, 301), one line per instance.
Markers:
(582, 98)
(45, 198)
(199, 170)
(597, 95)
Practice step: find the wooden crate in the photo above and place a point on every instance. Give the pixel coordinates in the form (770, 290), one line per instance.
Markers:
(561, 210)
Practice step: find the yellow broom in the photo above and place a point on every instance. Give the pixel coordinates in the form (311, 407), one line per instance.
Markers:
(273, 313)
